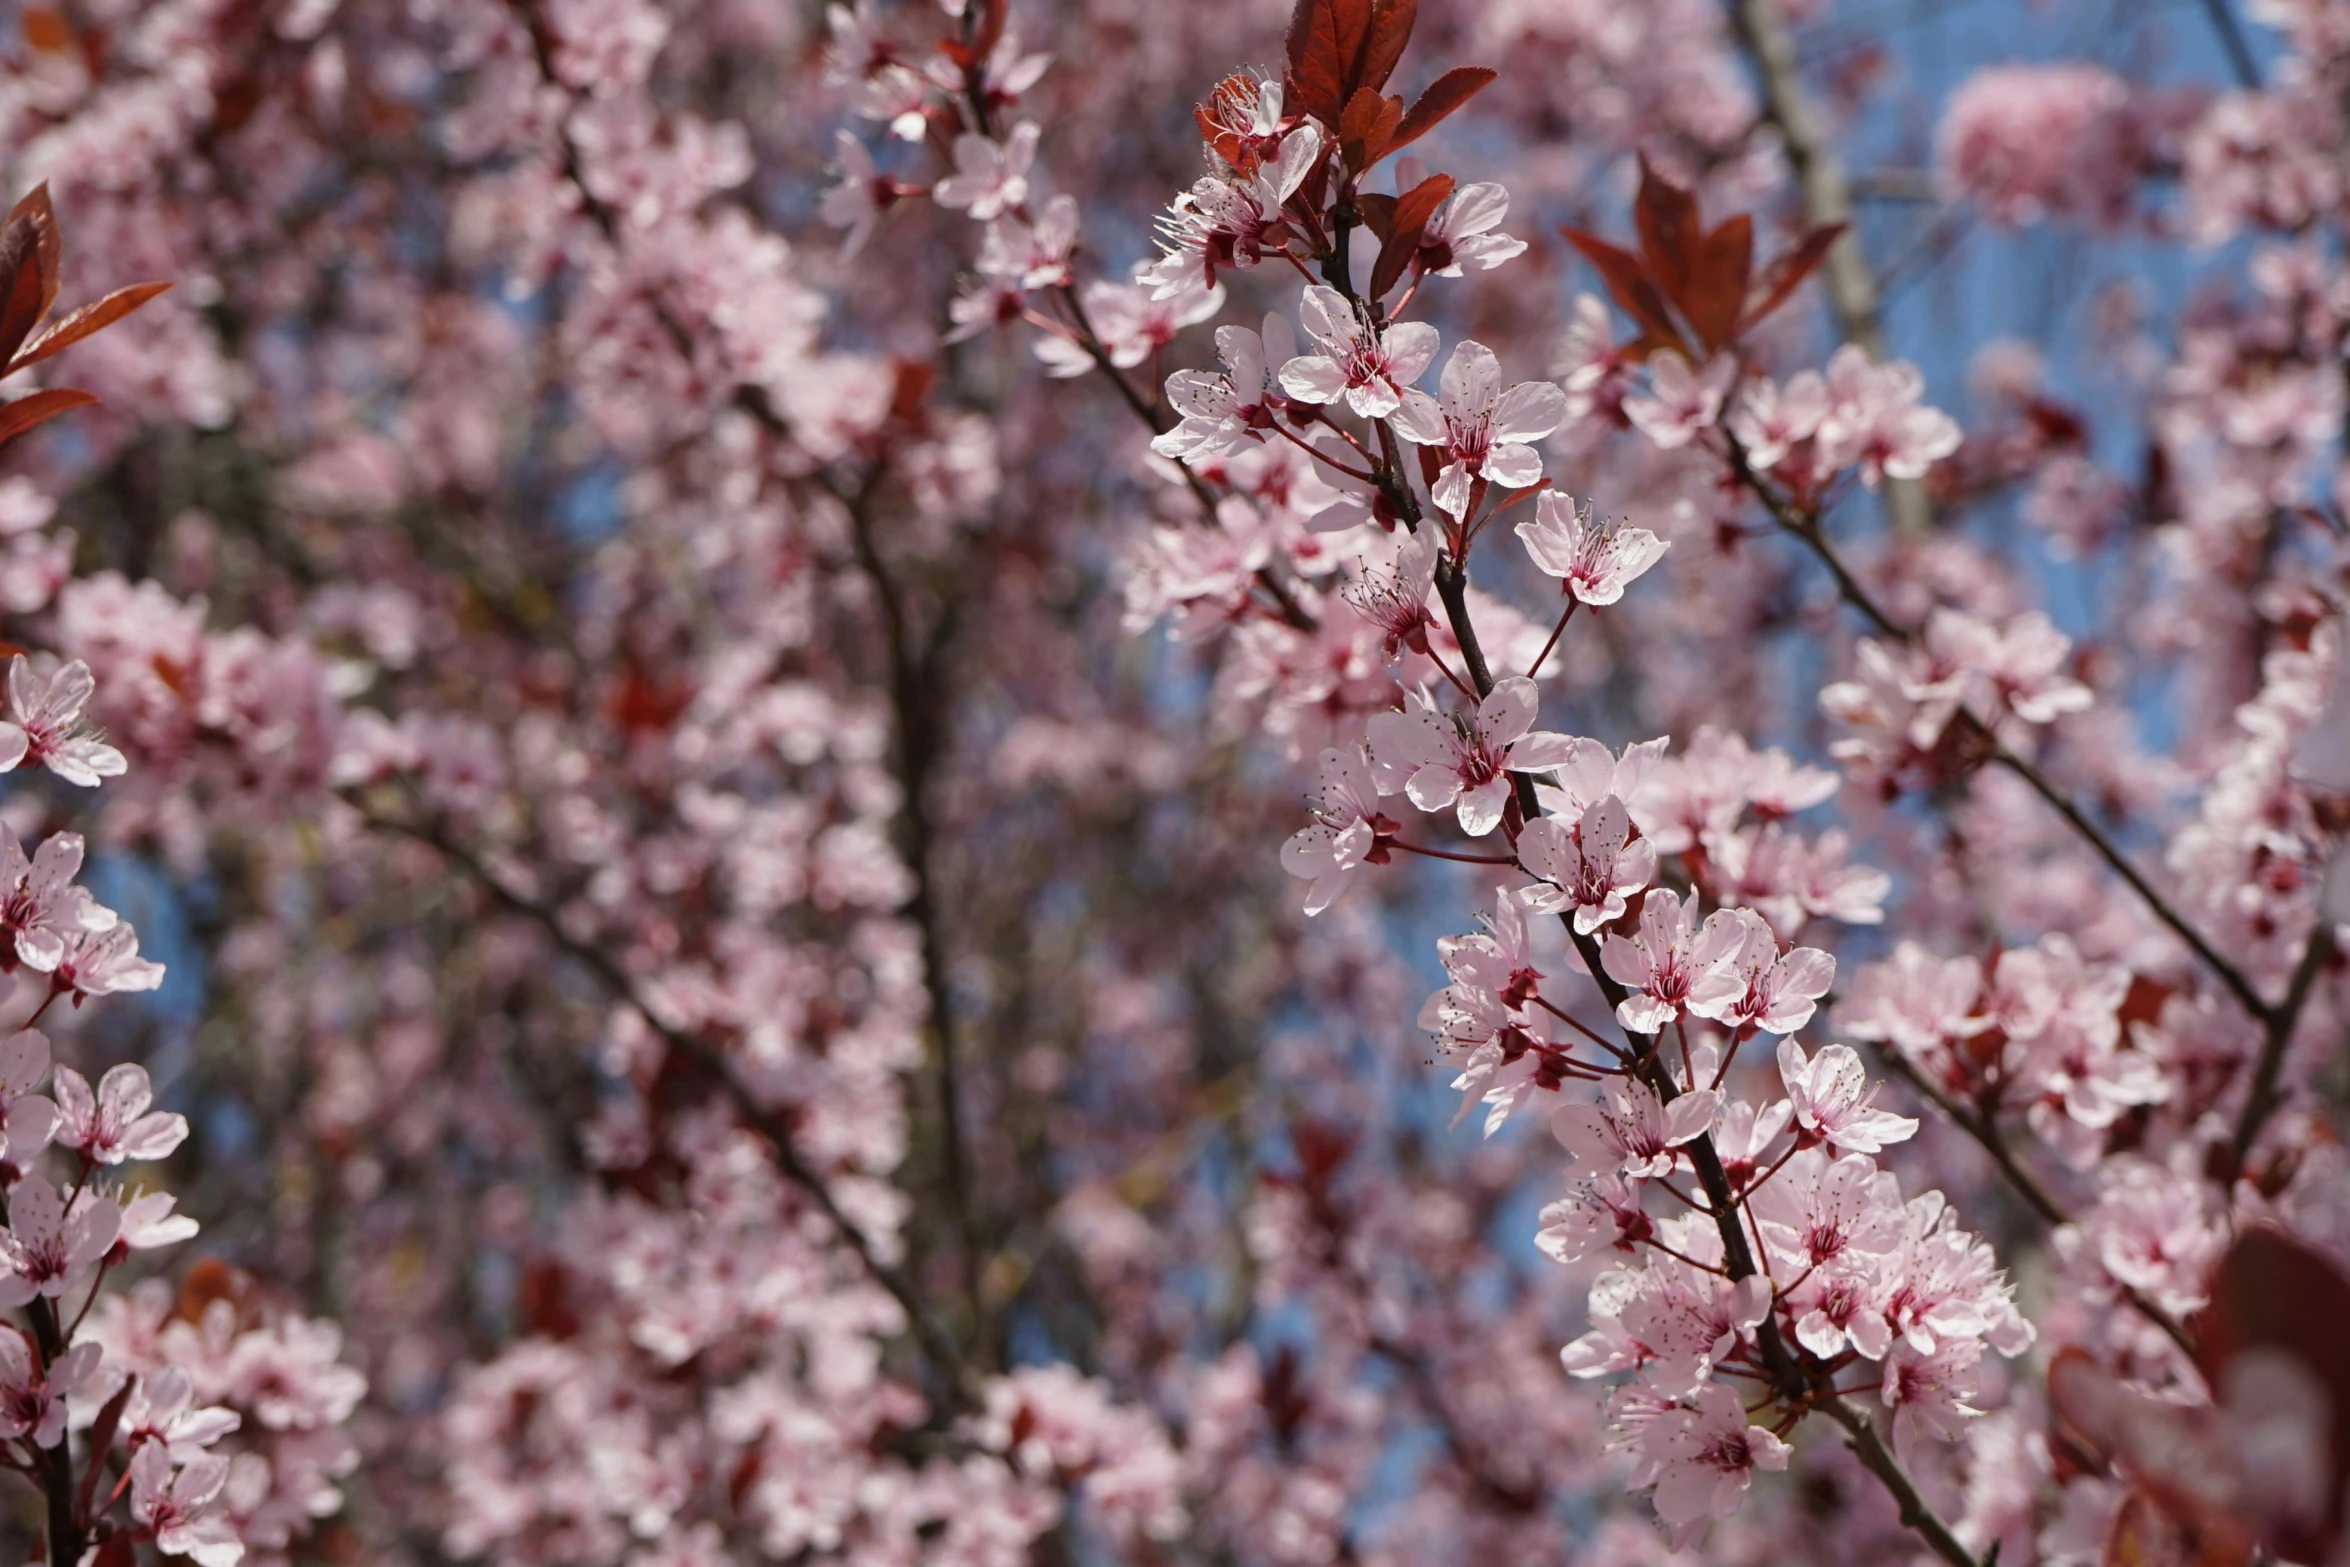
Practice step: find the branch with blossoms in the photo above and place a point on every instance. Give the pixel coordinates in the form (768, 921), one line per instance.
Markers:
(1786, 1270)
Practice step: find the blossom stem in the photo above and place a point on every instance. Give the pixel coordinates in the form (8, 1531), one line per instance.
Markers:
(1682, 1256)
(1556, 632)
(1356, 474)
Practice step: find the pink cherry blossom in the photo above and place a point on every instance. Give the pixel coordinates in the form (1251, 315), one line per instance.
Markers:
(990, 177)
(114, 1124)
(1680, 401)
(1368, 366)
(1219, 410)
(33, 1402)
(1593, 867)
(1464, 760)
(1461, 232)
(1831, 1095)
(49, 728)
(1777, 992)
(1594, 560)
(1875, 420)
(1673, 962)
(1483, 431)
(180, 1504)
(46, 1248)
(1635, 1133)
(1346, 833)
(1701, 1460)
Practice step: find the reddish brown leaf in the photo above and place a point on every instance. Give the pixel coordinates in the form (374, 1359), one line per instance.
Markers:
(1412, 210)
(1666, 216)
(34, 208)
(1715, 292)
(1390, 30)
(102, 1438)
(1357, 126)
(39, 408)
(1317, 62)
(1629, 284)
(1378, 214)
(1445, 94)
(95, 316)
(1786, 274)
(20, 284)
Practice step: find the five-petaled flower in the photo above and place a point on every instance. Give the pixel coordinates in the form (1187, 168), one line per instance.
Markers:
(1367, 365)
(1464, 760)
(1481, 428)
(1348, 831)
(1594, 560)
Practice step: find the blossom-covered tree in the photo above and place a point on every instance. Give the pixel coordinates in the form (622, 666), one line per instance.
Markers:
(867, 854)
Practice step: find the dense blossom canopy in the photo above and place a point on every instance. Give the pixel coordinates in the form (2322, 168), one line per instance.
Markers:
(775, 792)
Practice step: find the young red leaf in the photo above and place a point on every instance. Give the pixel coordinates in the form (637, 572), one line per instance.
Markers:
(1786, 273)
(39, 408)
(1391, 29)
(34, 208)
(1715, 293)
(1377, 213)
(20, 284)
(92, 317)
(102, 1438)
(1629, 284)
(1445, 94)
(1317, 63)
(1360, 137)
(1666, 216)
(1413, 209)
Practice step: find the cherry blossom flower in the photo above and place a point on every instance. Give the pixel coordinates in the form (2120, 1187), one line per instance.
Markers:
(1131, 323)
(1701, 1459)
(862, 195)
(1368, 366)
(1396, 600)
(1460, 233)
(1928, 1394)
(33, 1403)
(1673, 962)
(1219, 410)
(1236, 222)
(1481, 429)
(1680, 401)
(1635, 1133)
(1831, 1094)
(1770, 420)
(1875, 420)
(1776, 993)
(2023, 662)
(1594, 560)
(105, 963)
(114, 1124)
(990, 177)
(39, 904)
(1593, 867)
(162, 1409)
(1594, 1214)
(49, 727)
(1465, 760)
(1347, 830)
(46, 1249)
(182, 1506)
(1031, 252)
(1592, 772)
